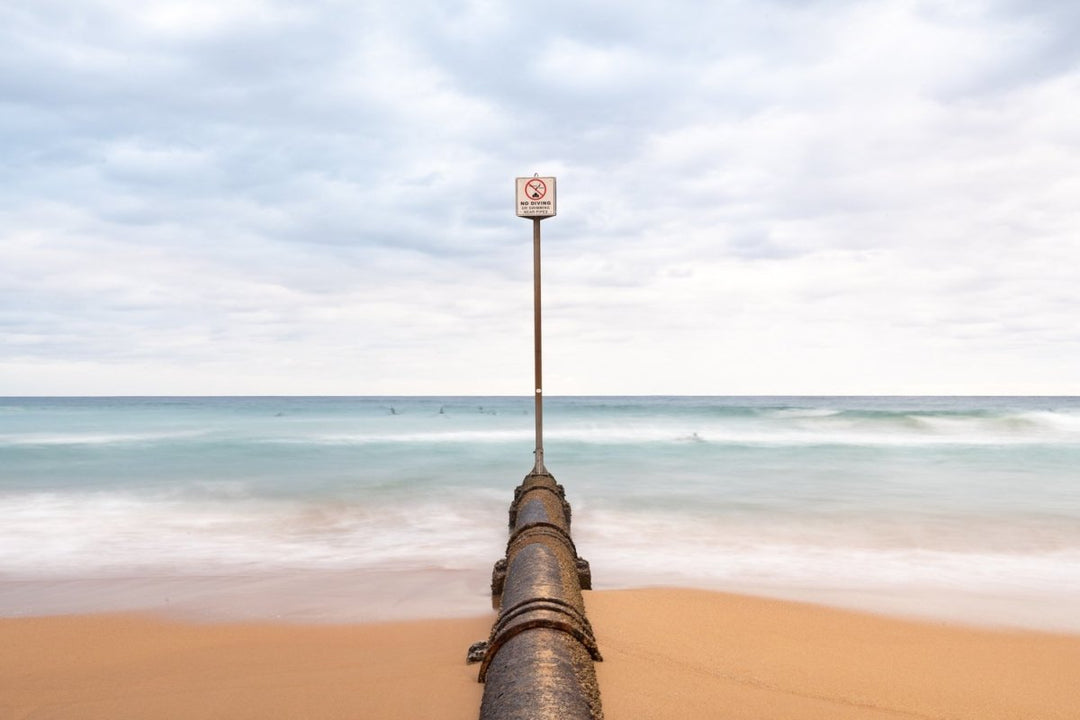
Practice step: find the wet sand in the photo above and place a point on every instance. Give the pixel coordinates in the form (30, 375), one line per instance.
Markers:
(668, 654)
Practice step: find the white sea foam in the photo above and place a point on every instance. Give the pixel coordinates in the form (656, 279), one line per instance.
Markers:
(416, 437)
(1032, 587)
(803, 412)
(784, 427)
(93, 438)
(92, 534)
(1058, 421)
(103, 535)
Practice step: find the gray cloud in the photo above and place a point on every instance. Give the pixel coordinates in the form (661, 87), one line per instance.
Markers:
(276, 197)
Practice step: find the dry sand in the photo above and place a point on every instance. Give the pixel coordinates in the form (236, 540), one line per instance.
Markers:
(668, 654)
(691, 654)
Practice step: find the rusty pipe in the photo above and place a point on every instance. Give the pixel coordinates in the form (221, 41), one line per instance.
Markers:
(538, 661)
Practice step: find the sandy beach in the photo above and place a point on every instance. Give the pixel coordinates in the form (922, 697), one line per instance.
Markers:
(668, 654)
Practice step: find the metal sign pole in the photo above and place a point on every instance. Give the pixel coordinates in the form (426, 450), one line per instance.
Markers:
(538, 468)
(535, 199)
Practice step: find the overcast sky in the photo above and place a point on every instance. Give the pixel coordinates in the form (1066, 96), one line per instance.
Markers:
(754, 197)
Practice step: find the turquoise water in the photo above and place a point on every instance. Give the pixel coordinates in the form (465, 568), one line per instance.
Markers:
(913, 504)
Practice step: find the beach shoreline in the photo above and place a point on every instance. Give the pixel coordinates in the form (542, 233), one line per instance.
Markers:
(390, 595)
(669, 653)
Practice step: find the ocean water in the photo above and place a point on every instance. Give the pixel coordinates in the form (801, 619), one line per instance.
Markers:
(378, 508)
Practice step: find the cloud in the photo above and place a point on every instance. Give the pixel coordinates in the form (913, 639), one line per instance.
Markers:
(754, 197)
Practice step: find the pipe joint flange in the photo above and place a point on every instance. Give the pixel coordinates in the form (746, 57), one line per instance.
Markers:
(539, 613)
(540, 603)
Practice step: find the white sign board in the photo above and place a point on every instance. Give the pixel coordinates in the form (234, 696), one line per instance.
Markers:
(535, 197)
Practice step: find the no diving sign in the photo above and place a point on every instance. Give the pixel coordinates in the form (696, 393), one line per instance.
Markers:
(535, 197)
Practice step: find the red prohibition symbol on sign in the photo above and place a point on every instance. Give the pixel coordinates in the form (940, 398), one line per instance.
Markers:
(536, 189)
